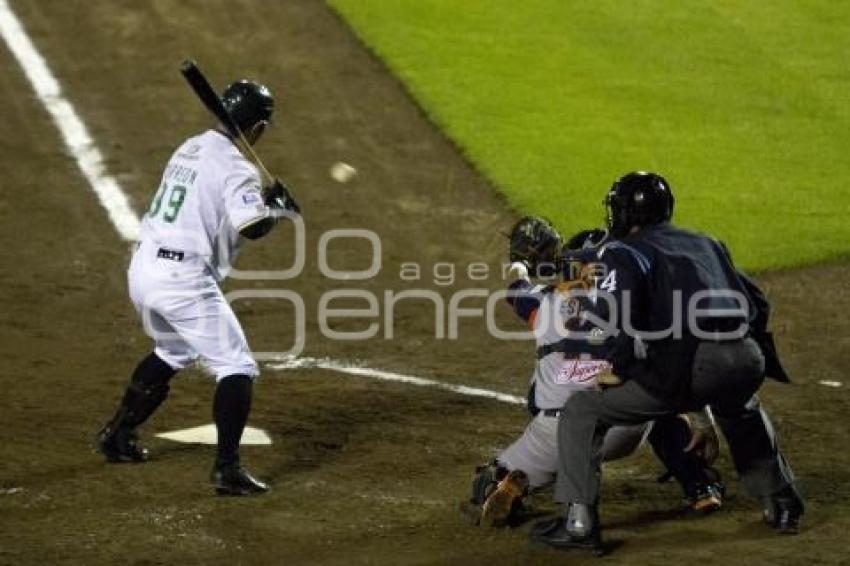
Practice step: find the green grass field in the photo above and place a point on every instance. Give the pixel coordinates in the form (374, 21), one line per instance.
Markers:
(741, 104)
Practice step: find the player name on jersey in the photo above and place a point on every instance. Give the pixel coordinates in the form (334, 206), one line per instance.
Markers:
(180, 173)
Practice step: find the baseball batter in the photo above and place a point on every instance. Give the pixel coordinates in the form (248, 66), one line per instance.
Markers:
(210, 198)
(552, 311)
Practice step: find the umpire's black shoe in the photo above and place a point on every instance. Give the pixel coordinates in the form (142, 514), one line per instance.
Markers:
(120, 445)
(785, 511)
(233, 479)
(554, 532)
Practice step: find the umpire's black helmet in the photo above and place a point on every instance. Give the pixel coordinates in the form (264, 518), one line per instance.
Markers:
(639, 198)
(248, 102)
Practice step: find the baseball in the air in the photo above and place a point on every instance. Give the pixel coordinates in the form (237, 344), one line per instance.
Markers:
(342, 172)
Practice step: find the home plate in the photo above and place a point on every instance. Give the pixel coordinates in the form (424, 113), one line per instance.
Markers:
(207, 434)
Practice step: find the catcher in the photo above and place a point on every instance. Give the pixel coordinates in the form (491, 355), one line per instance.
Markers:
(551, 311)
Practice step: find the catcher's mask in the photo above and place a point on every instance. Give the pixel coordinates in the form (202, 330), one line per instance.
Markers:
(249, 103)
(639, 198)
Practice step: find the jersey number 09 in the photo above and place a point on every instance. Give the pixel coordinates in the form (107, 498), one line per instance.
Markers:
(175, 201)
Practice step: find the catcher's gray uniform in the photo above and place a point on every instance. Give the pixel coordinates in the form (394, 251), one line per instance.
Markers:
(548, 309)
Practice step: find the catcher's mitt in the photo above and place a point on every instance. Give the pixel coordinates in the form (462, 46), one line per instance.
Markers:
(534, 241)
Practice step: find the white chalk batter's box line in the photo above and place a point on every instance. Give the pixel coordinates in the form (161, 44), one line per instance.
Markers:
(360, 370)
(113, 198)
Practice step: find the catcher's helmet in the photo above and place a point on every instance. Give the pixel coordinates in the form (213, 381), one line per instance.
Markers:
(639, 198)
(248, 102)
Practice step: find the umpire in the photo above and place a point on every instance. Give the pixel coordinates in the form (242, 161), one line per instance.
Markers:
(690, 331)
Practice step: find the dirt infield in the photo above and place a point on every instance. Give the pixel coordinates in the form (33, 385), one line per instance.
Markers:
(364, 472)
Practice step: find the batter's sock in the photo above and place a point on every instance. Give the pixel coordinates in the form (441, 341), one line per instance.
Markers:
(231, 406)
(147, 390)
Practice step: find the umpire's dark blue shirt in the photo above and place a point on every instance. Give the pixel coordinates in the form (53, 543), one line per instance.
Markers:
(651, 276)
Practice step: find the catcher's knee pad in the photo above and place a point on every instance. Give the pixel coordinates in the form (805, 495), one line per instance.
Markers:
(669, 437)
(485, 481)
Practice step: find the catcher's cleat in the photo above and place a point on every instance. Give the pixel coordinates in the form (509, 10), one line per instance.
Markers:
(785, 511)
(504, 499)
(554, 532)
(706, 498)
(120, 445)
(233, 479)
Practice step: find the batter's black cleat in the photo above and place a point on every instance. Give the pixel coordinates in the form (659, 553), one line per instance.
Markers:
(120, 445)
(233, 479)
(554, 532)
(785, 511)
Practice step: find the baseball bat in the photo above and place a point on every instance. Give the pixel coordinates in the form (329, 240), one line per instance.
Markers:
(199, 83)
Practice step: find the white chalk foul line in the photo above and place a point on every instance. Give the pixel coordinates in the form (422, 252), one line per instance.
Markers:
(355, 369)
(74, 133)
(113, 198)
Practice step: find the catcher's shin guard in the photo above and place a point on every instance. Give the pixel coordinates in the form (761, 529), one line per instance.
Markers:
(496, 494)
(484, 482)
(147, 390)
(701, 484)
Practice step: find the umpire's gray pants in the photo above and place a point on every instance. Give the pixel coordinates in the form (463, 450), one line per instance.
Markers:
(725, 376)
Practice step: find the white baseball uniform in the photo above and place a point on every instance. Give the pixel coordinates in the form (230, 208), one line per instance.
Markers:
(555, 379)
(189, 239)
